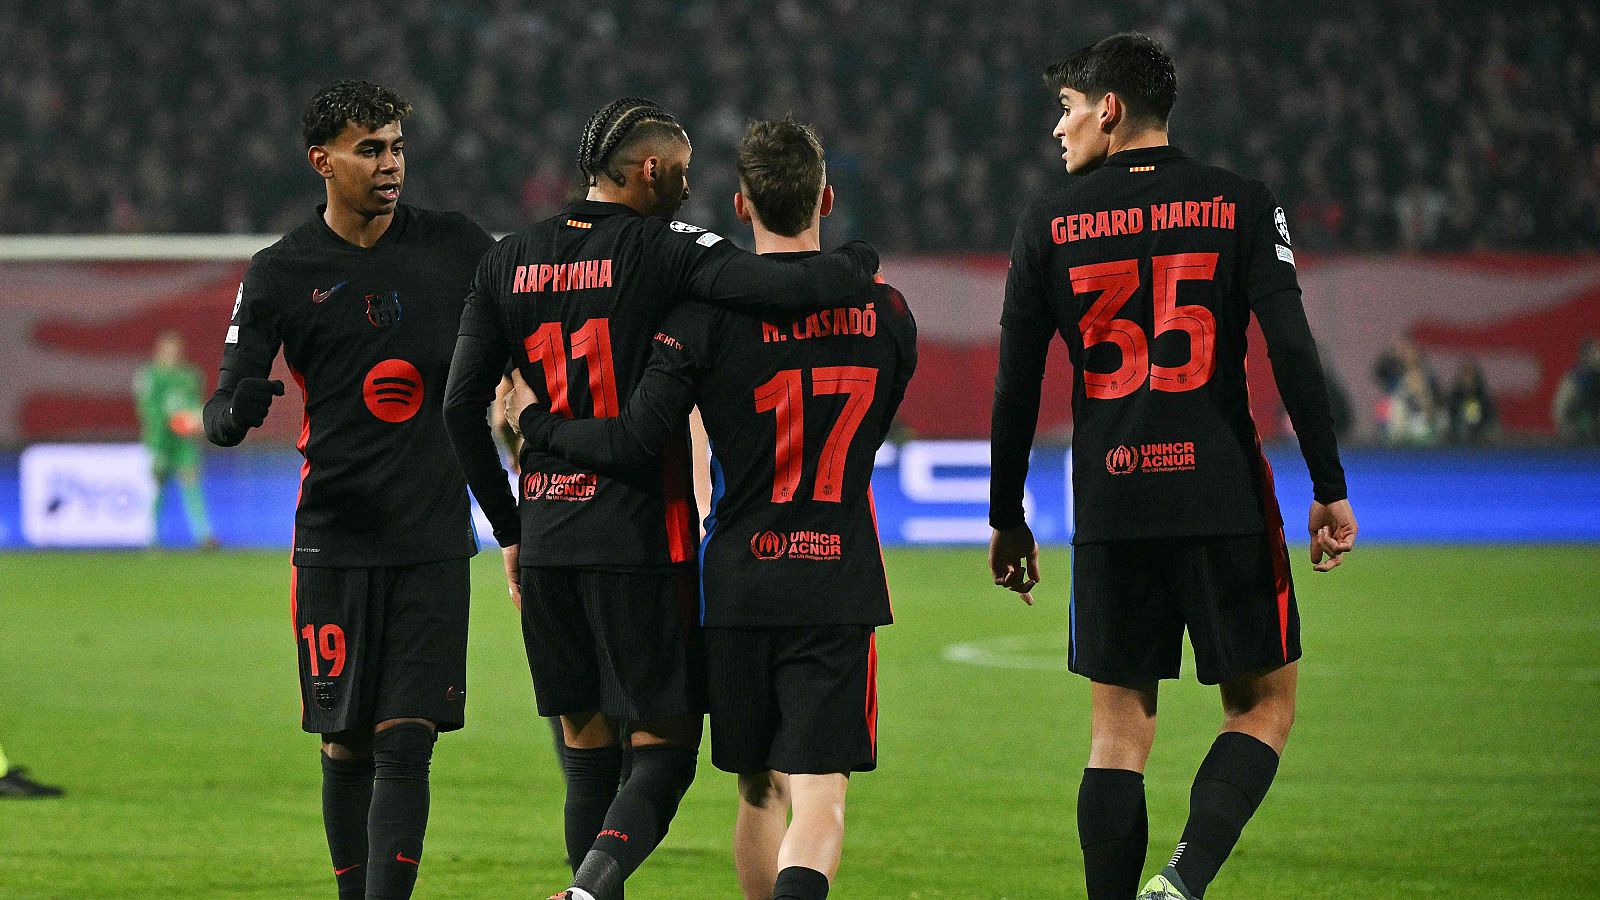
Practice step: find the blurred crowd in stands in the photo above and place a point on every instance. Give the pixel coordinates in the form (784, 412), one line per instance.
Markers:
(1417, 409)
(1403, 125)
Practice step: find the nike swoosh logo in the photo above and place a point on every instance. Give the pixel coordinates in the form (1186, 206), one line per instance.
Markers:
(338, 872)
(400, 857)
(319, 296)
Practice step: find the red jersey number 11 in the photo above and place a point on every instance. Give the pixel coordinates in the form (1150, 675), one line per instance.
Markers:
(592, 343)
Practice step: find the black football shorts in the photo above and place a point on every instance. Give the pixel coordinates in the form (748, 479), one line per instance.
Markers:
(623, 642)
(378, 643)
(1132, 601)
(801, 700)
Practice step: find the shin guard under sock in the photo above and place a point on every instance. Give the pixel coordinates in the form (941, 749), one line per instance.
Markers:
(1231, 783)
(1113, 828)
(346, 797)
(399, 815)
(638, 818)
(592, 778)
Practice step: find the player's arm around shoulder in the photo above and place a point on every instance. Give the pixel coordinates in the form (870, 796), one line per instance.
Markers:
(658, 407)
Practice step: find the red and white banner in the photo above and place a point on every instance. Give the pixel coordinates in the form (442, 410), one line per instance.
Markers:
(72, 334)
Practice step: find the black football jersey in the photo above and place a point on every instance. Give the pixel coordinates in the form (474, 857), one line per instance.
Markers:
(573, 302)
(1149, 268)
(368, 334)
(795, 408)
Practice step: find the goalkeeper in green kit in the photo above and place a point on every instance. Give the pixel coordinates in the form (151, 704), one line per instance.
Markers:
(166, 392)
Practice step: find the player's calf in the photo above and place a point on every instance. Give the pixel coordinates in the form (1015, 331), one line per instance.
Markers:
(809, 857)
(758, 831)
(664, 758)
(1235, 775)
(1113, 822)
(402, 750)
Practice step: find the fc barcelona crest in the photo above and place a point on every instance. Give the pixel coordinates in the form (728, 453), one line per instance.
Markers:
(383, 309)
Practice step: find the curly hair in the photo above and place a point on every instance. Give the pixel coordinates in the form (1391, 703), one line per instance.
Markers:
(619, 124)
(1131, 65)
(781, 172)
(370, 105)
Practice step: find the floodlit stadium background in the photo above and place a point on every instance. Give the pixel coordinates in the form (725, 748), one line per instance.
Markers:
(1440, 168)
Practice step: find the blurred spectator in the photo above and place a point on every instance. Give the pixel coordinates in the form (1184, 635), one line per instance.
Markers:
(1470, 408)
(1414, 413)
(1339, 405)
(1414, 124)
(1577, 402)
(1410, 411)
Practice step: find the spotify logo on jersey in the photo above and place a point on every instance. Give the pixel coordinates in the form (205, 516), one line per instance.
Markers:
(393, 390)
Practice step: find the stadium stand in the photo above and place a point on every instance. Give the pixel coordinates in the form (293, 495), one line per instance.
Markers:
(130, 117)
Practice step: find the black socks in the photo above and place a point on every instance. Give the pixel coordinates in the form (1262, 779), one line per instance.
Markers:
(1113, 828)
(1231, 783)
(346, 797)
(638, 818)
(592, 777)
(800, 883)
(399, 814)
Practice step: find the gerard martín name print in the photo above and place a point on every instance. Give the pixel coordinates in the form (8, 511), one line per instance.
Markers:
(1213, 213)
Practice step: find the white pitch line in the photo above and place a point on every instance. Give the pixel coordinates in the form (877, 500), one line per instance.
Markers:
(1039, 653)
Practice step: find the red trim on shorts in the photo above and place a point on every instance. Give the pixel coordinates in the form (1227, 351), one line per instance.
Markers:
(1280, 582)
(872, 691)
(294, 627)
(1273, 517)
(676, 490)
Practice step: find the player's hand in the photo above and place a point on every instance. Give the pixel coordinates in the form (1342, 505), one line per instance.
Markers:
(252, 397)
(1014, 560)
(864, 255)
(511, 556)
(1333, 534)
(519, 398)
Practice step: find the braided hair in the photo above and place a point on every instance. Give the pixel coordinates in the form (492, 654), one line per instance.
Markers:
(610, 128)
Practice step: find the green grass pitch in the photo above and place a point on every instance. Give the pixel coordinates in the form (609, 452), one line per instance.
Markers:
(1448, 741)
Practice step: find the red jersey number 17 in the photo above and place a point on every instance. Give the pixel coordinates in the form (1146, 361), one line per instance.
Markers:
(784, 396)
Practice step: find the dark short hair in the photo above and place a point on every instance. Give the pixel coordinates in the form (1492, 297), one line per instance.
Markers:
(618, 126)
(1131, 65)
(781, 170)
(362, 102)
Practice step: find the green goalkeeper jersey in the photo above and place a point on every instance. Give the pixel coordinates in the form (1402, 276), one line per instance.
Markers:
(161, 394)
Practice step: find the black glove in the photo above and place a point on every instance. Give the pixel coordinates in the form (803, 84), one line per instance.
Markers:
(252, 397)
(863, 255)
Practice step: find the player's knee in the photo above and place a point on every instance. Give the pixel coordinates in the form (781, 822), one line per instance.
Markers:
(763, 790)
(403, 749)
(587, 731)
(387, 724)
(347, 746)
(676, 731)
(1268, 718)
